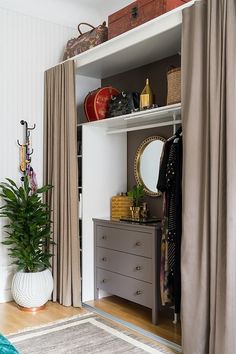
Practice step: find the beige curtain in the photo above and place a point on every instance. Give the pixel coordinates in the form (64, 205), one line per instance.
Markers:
(209, 178)
(60, 170)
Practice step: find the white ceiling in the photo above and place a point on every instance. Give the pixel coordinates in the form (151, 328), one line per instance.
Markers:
(67, 12)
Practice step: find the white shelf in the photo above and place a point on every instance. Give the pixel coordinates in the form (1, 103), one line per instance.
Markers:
(156, 117)
(152, 41)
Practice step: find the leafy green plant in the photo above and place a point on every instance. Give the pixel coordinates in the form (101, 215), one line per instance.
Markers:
(28, 234)
(136, 193)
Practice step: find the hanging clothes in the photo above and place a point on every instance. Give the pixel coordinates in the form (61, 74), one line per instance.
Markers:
(32, 179)
(169, 183)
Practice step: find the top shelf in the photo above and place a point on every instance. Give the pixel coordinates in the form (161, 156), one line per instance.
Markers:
(152, 41)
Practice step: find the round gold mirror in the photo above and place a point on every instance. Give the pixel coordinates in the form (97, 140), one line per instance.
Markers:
(147, 164)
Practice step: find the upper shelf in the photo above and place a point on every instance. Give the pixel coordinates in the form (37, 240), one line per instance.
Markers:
(156, 117)
(152, 41)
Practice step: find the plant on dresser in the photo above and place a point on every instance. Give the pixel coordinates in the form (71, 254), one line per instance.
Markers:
(28, 237)
(137, 194)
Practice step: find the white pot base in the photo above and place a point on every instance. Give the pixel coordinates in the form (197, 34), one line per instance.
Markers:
(32, 290)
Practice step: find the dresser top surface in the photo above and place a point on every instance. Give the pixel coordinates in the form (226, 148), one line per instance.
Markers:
(133, 224)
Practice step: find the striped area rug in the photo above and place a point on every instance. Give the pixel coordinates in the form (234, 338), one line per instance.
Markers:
(88, 333)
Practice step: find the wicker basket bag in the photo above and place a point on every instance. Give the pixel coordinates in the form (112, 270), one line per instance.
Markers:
(174, 86)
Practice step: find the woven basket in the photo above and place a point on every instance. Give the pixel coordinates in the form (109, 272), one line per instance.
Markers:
(174, 86)
(120, 206)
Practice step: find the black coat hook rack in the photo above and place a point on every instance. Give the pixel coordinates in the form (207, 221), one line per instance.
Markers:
(26, 150)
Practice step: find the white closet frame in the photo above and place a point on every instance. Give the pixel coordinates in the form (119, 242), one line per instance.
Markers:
(104, 143)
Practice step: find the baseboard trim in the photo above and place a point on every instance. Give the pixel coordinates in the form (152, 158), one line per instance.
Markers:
(5, 296)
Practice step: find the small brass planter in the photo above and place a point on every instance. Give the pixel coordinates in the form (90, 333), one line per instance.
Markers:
(135, 213)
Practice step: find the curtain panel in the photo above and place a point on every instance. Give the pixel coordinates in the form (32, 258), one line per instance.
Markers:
(209, 173)
(60, 170)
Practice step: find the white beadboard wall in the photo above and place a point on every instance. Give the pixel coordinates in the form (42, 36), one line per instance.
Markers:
(29, 46)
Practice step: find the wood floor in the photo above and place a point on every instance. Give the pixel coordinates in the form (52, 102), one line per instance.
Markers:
(12, 319)
(140, 316)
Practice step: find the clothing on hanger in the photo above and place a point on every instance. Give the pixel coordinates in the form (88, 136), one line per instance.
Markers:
(169, 182)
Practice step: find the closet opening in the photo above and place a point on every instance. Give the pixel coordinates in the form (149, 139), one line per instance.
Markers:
(114, 167)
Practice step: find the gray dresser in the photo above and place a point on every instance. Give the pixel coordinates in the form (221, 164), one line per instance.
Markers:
(127, 261)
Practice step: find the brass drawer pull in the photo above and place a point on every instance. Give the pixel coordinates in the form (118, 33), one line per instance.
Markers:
(138, 243)
(138, 292)
(104, 259)
(138, 268)
(104, 237)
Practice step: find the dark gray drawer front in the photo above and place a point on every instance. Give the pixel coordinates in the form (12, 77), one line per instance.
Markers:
(126, 264)
(128, 288)
(124, 240)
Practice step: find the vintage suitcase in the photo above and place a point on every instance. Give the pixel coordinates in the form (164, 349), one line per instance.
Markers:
(137, 13)
(96, 102)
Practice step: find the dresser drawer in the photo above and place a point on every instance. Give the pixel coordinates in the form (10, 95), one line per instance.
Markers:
(134, 242)
(126, 264)
(128, 288)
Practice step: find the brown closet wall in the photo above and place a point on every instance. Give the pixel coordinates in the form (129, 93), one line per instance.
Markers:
(134, 80)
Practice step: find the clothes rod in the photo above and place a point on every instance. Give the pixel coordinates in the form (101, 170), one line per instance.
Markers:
(148, 126)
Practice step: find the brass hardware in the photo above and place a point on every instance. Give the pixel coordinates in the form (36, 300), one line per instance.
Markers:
(104, 259)
(135, 212)
(144, 210)
(138, 292)
(138, 268)
(134, 12)
(138, 243)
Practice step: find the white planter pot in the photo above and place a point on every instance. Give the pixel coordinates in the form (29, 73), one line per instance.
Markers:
(32, 289)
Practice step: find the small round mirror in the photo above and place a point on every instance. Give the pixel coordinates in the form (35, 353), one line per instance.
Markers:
(147, 163)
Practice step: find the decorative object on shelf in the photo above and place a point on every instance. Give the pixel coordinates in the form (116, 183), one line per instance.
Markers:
(147, 162)
(138, 13)
(135, 212)
(96, 103)
(87, 40)
(147, 108)
(144, 210)
(173, 86)
(136, 194)
(124, 103)
(28, 239)
(120, 206)
(146, 97)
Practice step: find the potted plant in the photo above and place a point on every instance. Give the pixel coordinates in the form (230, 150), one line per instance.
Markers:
(28, 237)
(137, 194)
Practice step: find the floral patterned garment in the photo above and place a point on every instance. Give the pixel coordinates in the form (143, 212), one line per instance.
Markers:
(166, 290)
